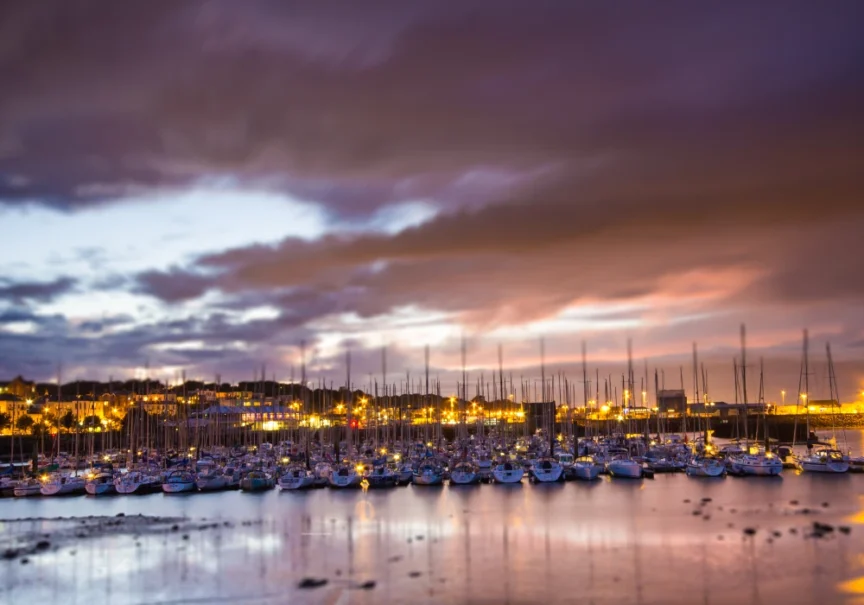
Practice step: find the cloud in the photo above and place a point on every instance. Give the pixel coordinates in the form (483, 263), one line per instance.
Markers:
(503, 170)
(173, 286)
(21, 292)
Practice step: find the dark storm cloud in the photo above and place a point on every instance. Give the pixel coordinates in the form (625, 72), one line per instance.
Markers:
(18, 292)
(172, 286)
(336, 101)
(574, 153)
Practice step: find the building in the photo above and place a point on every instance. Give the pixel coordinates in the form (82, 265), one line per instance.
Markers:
(25, 389)
(672, 401)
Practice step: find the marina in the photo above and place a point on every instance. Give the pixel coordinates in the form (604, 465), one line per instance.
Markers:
(424, 544)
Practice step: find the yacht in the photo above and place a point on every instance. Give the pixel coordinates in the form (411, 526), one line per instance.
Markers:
(705, 467)
(61, 485)
(585, 468)
(464, 473)
(255, 481)
(621, 466)
(100, 484)
(760, 464)
(428, 473)
(346, 475)
(825, 461)
(546, 470)
(177, 482)
(295, 477)
(211, 479)
(507, 472)
(28, 487)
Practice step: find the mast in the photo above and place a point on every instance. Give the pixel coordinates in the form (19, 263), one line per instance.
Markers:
(744, 385)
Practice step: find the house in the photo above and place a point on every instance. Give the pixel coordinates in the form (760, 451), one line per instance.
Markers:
(25, 389)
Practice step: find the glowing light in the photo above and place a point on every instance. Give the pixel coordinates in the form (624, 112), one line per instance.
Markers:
(604, 408)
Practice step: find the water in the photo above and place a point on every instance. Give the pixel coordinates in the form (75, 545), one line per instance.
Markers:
(607, 542)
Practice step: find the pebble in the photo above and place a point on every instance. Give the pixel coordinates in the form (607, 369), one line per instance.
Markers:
(749, 531)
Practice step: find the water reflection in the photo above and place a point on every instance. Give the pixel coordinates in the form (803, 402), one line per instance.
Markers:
(670, 540)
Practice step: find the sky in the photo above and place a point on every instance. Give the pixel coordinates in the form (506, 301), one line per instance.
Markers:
(201, 187)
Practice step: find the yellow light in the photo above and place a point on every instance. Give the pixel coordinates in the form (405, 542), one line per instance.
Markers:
(383, 451)
(620, 417)
(286, 460)
(397, 457)
(604, 408)
(107, 458)
(359, 468)
(43, 478)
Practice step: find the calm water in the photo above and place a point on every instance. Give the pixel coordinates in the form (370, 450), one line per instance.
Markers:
(612, 541)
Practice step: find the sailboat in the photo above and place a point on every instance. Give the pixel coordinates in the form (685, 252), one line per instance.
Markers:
(295, 477)
(465, 473)
(100, 484)
(507, 472)
(705, 467)
(754, 461)
(546, 470)
(825, 460)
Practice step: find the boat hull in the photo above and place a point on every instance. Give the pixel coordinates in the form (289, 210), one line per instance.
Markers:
(825, 467)
(625, 469)
(508, 476)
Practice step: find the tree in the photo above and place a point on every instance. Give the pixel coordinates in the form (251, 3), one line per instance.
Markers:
(67, 420)
(91, 422)
(24, 423)
(5, 421)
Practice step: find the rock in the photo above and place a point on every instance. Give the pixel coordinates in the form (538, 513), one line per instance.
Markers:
(826, 504)
(185, 536)
(750, 531)
(792, 530)
(706, 517)
(43, 545)
(25, 561)
(776, 533)
(9, 554)
(120, 515)
(697, 513)
(414, 574)
(733, 511)
(175, 527)
(368, 585)
(793, 502)
(706, 499)
(418, 538)
(312, 583)
(395, 558)
(687, 501)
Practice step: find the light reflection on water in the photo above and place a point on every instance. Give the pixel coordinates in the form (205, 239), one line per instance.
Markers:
(612, 541)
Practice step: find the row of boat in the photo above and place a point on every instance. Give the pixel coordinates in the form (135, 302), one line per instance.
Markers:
(464, 463)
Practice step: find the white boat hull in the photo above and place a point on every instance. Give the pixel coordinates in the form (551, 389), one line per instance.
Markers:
(625, 468)
(25, 491)
(345, 481)
(585, 472)
(825, 467)
(464, 478)
(100, 489)
(705, 470)
(211, 484)
(294, 483)
(508, 476)
(178, 487)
